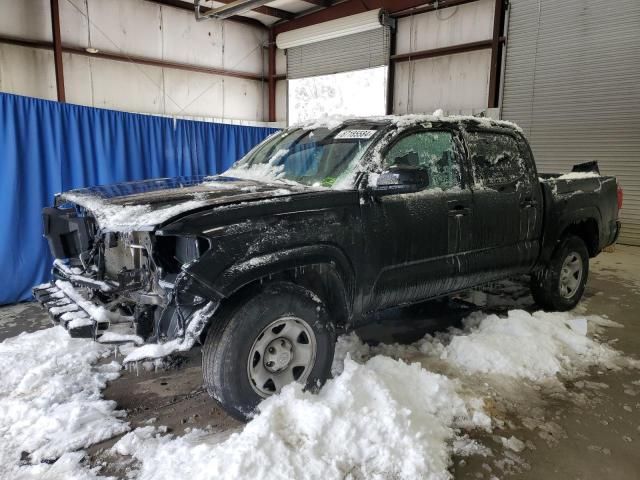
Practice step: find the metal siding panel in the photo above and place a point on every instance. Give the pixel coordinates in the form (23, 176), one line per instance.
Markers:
(572, 82)
(344, 54)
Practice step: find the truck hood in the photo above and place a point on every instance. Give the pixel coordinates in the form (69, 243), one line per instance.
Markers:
(145, 204)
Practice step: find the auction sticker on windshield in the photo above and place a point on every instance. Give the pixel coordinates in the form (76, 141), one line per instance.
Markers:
(355, 134)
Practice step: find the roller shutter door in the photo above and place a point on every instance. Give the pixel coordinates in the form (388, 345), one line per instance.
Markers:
(351, 52)
(572, 82)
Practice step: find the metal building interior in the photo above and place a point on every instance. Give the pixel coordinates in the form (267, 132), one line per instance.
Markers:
(97, 92)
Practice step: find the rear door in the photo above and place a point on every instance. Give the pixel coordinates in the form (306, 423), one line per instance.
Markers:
(415, 239)
(506, 202)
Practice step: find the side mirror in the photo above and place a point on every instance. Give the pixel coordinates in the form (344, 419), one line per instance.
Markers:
(403, 179)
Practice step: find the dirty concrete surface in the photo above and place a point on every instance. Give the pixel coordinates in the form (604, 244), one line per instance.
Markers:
(589, 431)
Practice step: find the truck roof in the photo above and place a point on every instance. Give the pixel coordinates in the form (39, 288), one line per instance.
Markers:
(401, 121)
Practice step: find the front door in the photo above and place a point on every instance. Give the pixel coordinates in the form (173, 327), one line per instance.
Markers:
(414, 240)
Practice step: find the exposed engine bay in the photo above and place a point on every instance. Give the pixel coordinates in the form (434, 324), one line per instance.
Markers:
(106, 278)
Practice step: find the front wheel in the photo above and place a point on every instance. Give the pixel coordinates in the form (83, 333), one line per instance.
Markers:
(281, 333)
(560, 285)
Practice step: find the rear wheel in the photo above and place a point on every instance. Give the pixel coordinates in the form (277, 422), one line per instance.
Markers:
(279, 334)
(560, 285)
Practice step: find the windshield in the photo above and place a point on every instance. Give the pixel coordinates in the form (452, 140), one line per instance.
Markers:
(319, 157)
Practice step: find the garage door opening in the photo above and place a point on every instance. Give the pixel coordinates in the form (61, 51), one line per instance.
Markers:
(356, 93)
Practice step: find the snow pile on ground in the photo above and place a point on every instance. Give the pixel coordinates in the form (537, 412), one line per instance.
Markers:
(534, 346)
(68, 467)
(384, 419)
(50, 399)
(379, 418)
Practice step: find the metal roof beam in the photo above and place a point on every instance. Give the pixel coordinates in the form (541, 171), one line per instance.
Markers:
(266, 10)
(397, 8)
(190, 7)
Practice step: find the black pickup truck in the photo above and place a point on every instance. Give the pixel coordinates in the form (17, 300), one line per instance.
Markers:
(310, 233)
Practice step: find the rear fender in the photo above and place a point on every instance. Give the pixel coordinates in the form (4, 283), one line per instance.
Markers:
(560, 227)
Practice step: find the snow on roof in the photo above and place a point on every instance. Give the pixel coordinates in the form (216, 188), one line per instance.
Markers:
(402, 121)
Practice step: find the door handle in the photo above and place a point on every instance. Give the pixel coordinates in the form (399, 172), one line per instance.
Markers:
(528, 203)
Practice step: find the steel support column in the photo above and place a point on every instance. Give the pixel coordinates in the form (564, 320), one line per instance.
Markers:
(496, 48)
(391, 72)
(57, 49)
(272, 76)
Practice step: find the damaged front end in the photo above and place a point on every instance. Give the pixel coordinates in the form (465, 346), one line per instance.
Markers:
(124, 286)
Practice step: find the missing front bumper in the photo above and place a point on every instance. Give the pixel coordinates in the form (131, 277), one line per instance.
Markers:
(61, 302)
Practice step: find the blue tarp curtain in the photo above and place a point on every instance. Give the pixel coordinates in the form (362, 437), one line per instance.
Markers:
(48, 147)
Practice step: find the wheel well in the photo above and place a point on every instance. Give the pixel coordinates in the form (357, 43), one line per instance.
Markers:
(321, 279)
(587, 230)
(324, 281)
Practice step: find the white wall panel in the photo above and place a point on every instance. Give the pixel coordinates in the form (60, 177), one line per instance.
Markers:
(27, 71)
(25, 19)
(191, 42)
(243, 99)
(196, 94)
(137, 28)
(130, 26)
(454, 83)
(451, 26)
(74, 26)
(31, 19)
(281, 62)
(124, 86)
(281, 101)
(243, 47)
(78, 79)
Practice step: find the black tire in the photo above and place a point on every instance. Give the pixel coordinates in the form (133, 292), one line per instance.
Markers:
(233, 336)
(546, 287)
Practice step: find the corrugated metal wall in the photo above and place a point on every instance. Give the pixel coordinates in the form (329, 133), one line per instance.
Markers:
(572, 81)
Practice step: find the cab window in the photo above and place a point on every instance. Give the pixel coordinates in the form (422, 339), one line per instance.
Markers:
(433, 151)
(496, 158)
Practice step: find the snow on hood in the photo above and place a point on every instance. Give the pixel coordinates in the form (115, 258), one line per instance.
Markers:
(143, 205)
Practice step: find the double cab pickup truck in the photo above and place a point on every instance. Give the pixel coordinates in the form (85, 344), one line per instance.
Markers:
(312, 232)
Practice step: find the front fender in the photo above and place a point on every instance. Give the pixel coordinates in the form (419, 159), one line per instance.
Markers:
(263, 265)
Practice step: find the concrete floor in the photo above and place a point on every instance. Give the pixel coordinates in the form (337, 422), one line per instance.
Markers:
(589, 430)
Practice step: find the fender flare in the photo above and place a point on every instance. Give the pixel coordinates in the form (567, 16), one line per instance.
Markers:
(565, 221)
(260, 266)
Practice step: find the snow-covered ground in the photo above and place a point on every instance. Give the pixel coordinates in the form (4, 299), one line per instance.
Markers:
(50, 401)
(392, 411)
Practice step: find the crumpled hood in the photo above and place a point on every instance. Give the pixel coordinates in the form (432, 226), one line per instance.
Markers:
(145, 204)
